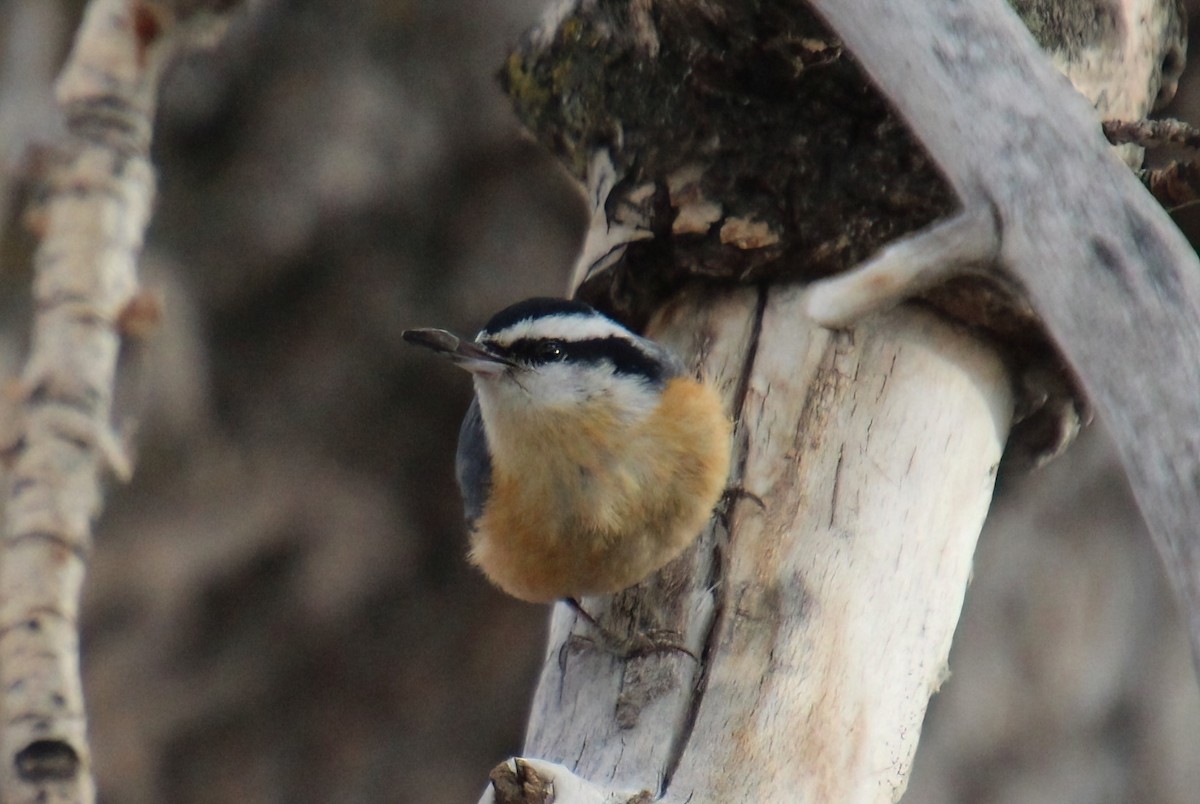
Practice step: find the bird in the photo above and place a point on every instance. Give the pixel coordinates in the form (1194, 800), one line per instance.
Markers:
(589, 457)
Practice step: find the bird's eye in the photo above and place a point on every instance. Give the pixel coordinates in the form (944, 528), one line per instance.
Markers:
(551, 351)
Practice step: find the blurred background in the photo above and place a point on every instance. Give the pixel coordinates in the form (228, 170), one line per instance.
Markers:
(279, 607)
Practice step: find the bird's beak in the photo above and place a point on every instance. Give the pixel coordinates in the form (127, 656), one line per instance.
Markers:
(464, 354)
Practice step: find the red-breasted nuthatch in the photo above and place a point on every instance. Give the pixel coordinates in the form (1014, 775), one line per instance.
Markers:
(589, 457)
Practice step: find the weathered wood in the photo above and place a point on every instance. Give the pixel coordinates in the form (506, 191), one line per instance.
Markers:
(821, 620)
(1113, 280)
(831, 606)
(749, 145)
(744, 139)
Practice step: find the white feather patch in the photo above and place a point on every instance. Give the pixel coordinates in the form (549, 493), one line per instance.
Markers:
(567, 327)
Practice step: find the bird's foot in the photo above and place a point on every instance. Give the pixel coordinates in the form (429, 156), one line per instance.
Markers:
(642, 642)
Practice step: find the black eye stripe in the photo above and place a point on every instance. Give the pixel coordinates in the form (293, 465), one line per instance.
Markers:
(625, 357)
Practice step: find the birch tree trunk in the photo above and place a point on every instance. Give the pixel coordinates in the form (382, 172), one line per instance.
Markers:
(91, 223)
(821, 603)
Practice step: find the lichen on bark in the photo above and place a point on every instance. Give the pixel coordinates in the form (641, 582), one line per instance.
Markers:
(753, 110)
(752, 147)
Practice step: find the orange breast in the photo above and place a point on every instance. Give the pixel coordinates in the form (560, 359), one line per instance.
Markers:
(594, 505)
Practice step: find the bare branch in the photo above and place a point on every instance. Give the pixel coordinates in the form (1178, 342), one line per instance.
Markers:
(968, 241)
(1152, 133)
(92, 222)
(1114, 281)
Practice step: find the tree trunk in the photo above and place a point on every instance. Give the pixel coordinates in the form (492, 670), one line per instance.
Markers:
(821, 603)
(822, 616)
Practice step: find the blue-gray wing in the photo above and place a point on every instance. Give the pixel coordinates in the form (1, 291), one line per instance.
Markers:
(671, 365)
(473, 464)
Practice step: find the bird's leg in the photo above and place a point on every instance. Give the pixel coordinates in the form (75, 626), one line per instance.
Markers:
(724, 507)
(734, 493)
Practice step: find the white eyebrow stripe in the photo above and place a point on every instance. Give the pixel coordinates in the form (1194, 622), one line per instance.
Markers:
(557, 327)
